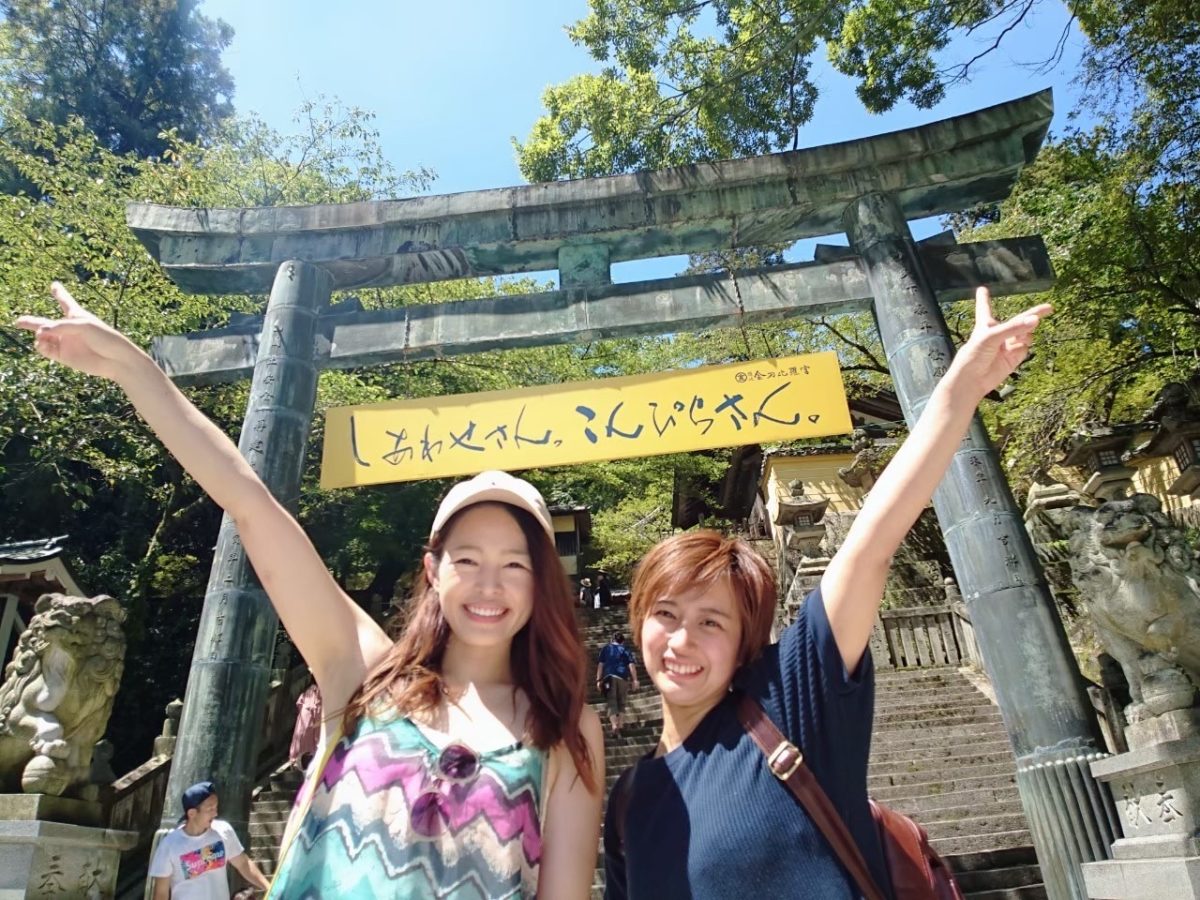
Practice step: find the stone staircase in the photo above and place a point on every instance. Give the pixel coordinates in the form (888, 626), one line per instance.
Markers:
(939, 754)
(269, 808)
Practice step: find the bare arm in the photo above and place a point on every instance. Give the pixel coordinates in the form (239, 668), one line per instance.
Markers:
(337, 639)
(162, 888)
(572, 826)
(852, 586)
(253, 875)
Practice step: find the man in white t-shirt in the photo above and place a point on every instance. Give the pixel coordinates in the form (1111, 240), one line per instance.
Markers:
(191, 861)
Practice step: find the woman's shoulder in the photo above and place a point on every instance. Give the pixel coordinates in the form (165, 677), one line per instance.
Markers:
(562, 766)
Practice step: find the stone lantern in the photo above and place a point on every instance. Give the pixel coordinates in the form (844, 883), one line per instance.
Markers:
(1175, 418)
(1181, 443)
(1098, 451)
(800, 517)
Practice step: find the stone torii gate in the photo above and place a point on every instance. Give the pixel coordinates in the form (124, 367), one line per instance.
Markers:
(868, 189)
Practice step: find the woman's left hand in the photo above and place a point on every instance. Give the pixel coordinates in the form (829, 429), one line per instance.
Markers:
(995, 349)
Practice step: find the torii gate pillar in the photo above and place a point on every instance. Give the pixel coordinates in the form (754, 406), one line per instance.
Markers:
(1041, 698)
(231, 664)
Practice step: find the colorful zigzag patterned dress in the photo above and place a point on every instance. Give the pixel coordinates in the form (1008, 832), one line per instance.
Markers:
(386, 822)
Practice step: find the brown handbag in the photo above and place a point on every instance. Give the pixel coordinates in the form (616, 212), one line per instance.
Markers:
(916, 870)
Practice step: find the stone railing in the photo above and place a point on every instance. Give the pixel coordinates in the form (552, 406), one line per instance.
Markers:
(966, 635)
(918, 637)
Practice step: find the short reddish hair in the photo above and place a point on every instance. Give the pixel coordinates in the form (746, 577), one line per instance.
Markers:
(696, 560)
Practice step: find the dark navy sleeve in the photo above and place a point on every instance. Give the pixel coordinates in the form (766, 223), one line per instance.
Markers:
(805, 688)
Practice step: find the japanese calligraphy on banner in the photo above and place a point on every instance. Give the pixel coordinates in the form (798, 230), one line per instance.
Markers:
(612, 418)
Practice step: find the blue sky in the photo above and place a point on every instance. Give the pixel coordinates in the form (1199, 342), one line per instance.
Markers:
(452, 82)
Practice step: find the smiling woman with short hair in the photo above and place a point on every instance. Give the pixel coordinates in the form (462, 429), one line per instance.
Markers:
(703, 816)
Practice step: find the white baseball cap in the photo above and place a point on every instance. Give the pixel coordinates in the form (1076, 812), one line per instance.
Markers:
(494, 487)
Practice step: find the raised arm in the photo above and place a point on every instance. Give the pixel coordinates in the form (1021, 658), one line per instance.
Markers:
(338, 640)
(852, 586)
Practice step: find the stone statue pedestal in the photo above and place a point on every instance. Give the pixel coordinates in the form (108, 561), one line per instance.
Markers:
(1156, 788)
(51, 847)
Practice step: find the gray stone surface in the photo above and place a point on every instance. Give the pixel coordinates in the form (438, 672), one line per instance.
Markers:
(51, 861)
(1048, 715)
(48, 808)
(1143, 880)
(593, 311)
(943, 167)
(1157, 792)
(1139, 579)
(58, 692)
(1173, 725)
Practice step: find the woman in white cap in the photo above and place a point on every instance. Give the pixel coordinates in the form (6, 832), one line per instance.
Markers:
(459, 761)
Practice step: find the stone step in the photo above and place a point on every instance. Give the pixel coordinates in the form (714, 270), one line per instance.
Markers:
(981, 843)
(975, 826)
(1026, 892)
(940, 734)
(936, 772)
(270, 820)
(918, 675)
(1000, 879)
(896, 794)
(934, 819)
(270, 806)
(1004, 858)
(899, 721)
(935, 805)
(919, 704)
(273, 830)
(897, 688)
(946, 752)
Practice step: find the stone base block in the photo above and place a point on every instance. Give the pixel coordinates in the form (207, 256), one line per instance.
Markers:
(1156, 791)
(42, 859)
(1157, 879)
(1175, 725)
(48, 808)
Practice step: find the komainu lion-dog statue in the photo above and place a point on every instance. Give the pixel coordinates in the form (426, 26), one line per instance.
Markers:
(58, 693)
(1138, 577)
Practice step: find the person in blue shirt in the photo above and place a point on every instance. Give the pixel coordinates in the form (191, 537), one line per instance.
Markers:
(702, 817)
(615, 672)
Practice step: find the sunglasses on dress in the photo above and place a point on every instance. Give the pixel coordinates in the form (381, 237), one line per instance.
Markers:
(456, 764)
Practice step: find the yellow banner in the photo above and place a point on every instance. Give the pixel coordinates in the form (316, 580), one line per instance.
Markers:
(611, 418)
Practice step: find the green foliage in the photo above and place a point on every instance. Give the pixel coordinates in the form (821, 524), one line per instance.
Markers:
(1147, 61)
(74, 458)
(129, 69)
(1127, 298)
(686, 81)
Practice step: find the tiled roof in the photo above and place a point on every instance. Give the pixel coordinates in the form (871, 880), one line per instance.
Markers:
(32, 551)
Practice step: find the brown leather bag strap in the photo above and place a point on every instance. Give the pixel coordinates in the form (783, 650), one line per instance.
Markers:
(786, 763)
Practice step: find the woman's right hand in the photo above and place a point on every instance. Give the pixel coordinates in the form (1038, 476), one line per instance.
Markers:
(80, 339)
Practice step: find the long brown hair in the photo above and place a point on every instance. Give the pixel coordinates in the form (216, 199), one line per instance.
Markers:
(547, 656)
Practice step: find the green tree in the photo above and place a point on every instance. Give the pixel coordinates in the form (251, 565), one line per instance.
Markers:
(73, 457)
(129, 69)
(684, 81)
(1127, 299)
